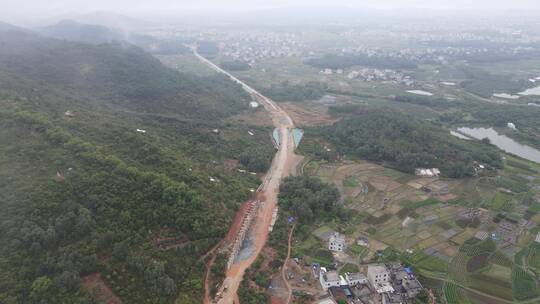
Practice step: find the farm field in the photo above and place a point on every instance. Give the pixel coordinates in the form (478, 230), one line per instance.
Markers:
(445, 236)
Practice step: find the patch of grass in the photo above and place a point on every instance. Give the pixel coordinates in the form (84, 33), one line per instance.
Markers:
(323, 257)
(373, 220)
(533, 258)
(492, 286)
(500, 202)
(453, 294)
(523, 285)
(500, 259)
(535, 207)
(348, 268)
(357, 249)
(477, 262)
(432, 263)
(499, 272)
(415, 205)
(444, 225)
(487, 246)
(351, 181)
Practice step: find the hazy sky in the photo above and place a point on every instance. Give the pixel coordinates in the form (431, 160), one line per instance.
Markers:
(10, 9)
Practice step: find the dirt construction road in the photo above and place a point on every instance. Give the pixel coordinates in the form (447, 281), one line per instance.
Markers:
(283, 164)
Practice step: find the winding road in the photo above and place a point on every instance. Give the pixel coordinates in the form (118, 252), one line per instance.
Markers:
(283, 164)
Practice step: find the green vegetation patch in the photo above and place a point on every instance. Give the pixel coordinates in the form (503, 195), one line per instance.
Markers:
(454, 294)
(296, 92)
(492, 286)
(406, 143)
(477, 262)
(351, 181)
(309, 198)
(348, 268)
(523, 284)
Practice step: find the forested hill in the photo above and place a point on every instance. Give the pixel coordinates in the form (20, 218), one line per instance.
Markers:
(116, 72)
(88, 33)
(84, 195)
(405, 143)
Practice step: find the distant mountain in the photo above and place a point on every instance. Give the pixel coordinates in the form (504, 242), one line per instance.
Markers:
(71, 30)
(112, 20)
(87, 33)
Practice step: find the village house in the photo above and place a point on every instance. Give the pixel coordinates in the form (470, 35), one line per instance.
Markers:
(433, 172)
(379, 278)
(329, 278)
(355, 278)
(336, 242)
(362, 241)
(378, 273)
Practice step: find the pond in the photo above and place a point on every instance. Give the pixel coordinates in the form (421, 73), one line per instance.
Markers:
(276, 137)
(420, 92)
(506, 96)
(531, 91)
(297, 136)
(503, 142)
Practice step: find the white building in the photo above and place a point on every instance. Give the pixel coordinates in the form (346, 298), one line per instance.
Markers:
(511, 125)
(362, 241)
(427, 172)
(378, 273)
(336, 242)
(355, 278)
(253, 104)
(379, 277)
(328, 278)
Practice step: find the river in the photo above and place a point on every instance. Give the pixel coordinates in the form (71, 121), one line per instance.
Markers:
(531, 92)
(504, 142)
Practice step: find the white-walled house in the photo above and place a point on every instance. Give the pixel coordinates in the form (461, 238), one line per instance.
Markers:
(336, 242)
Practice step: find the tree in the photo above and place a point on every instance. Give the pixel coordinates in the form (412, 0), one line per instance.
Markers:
(40, 286)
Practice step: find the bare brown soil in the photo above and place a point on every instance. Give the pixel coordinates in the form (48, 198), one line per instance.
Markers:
(283, 164)
(314, 116)
(256, 118)
(95, 285)
(230, 164)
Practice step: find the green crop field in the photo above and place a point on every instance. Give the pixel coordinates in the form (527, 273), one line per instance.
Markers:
(458, 268)
(493, 286)
(523, 284)
(454, 295)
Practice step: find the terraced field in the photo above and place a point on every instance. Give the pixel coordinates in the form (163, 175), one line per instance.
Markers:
(523, 284)
(454, 294)
(457, 269)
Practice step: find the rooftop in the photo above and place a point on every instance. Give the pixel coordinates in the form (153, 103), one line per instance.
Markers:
(355, 276)
(331, 276)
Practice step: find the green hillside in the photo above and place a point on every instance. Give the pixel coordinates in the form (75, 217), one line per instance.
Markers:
(83, 192)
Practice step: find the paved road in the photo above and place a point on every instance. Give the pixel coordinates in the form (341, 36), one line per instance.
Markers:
(282, 165)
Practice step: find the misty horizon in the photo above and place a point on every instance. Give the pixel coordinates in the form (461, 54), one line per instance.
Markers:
(32, 13)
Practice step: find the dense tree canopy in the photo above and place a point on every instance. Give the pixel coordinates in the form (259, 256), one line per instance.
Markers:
(82, 192)
(308, 198)
(406, 143)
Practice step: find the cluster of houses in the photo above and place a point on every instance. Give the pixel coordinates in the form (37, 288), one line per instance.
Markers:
(367, 74)
(254, 46)
(424, 172)
(384, 283)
